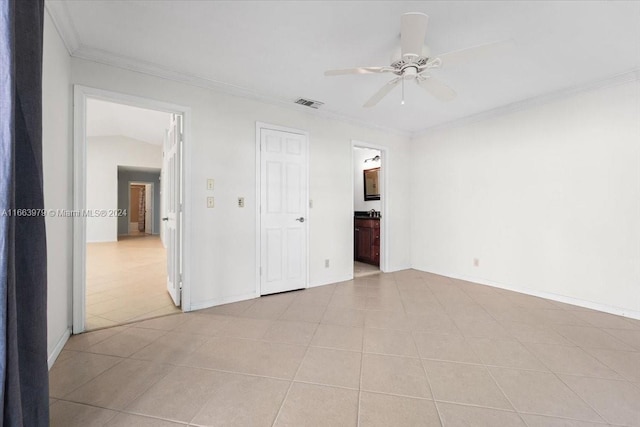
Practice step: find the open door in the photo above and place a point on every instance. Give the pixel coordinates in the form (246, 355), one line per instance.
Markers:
(171, 179)
(148, 209)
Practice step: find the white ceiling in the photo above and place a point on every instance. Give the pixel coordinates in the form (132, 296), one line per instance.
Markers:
(278, 51)
(110, 119)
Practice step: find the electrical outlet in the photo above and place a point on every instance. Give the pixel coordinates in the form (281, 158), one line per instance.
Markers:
(241, 202)
(210, 203)
(210, 184)
(476, 262)
(326, 263)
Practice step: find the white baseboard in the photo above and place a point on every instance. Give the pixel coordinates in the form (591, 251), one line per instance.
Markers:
(219, 301)
(58, 348)
(395, 268)
(236, 298)
(330, 280)
(625, 312)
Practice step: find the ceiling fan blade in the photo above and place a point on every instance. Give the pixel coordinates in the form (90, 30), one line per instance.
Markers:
(384, 90)
(360, 70)
(413, 32)
(436, 88)
(477, 52)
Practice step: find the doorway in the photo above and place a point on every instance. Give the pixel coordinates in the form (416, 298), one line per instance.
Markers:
(141, 208)
(119, 278)
(282, 183)
(369, 201)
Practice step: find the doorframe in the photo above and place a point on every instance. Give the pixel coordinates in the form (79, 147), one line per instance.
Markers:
(153, 211)
(80, 96)
(384, 211)
(259, 127)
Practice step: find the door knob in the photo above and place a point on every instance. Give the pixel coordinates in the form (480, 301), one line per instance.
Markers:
(165, 218)
(301, 219)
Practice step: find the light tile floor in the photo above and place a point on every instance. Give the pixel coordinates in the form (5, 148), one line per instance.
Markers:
(126, 281)
(400, 349)
(361, 269)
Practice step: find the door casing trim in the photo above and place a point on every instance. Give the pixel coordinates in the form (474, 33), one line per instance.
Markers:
(384, 172)
(80, 95)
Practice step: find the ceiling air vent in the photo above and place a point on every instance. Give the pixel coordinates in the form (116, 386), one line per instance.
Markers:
(309, 103)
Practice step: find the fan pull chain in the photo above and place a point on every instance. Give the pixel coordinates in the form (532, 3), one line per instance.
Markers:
(402, 102)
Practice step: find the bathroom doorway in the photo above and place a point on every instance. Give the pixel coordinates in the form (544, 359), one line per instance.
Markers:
(368, 197)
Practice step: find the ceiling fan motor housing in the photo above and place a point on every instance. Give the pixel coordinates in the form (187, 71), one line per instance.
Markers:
(409, 72)
(409, 64)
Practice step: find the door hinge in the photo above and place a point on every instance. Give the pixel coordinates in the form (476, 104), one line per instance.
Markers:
(180, 280)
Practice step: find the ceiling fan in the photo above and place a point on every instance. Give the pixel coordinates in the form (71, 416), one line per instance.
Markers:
(413, 60)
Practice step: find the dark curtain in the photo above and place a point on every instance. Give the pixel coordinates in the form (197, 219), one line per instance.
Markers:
(23, 260)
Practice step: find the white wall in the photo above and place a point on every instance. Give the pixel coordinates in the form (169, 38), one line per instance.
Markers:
(104, 155)
(57, 165)
(548, 200)
(222, 143)
(359, 156)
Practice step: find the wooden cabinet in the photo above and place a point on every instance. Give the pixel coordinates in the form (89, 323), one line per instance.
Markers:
(367, 240)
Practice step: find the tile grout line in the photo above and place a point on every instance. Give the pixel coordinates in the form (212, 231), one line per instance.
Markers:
(360, 379)
(536, 358)
(608, 365)
(91, 379)
(424, 370)
(133, 399)
(561, 417)
(581, 398)
(486, 368)
(504, 393)
(275, 420)
(580, 346)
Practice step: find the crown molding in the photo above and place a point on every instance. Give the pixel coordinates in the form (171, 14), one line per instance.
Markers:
(61, 18)
(63, 23)
(145, 67)
(618, 79)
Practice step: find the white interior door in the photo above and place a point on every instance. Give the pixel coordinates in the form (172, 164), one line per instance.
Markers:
(173, 207)
(163, 188)
(283, 211)
(148, 206)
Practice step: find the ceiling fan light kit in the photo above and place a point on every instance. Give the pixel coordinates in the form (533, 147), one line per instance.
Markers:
(412, 61)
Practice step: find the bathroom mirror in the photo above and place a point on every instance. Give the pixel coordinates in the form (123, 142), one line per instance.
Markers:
(371, 187)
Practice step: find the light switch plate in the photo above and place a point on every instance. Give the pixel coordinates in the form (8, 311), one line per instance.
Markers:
(241, 202)
(210, 203)
(210, 184)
